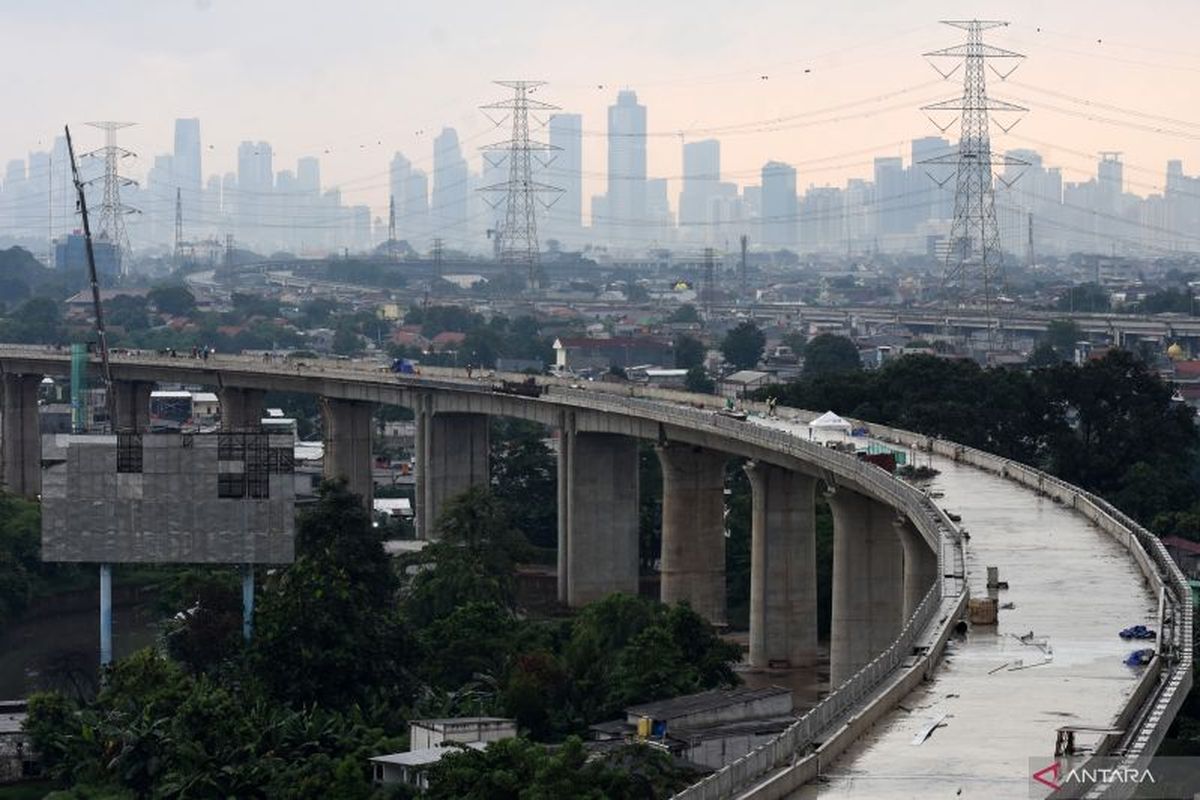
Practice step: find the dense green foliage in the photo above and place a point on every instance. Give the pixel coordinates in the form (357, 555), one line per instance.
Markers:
(525, 478)
(486, 340)
(743, 346)
(38, 320)
(686, 313)
(156, 731)
(327, 630)
(174, 300)
(20, 561)
(520, 770)
(697, 381)
(1084, 297)
(554, 677)
(22, 276)
(828, 354)
(1170, 300)
(295, 714)
(344, 652)
(689, 352)
(1109, 425)
(23, 574)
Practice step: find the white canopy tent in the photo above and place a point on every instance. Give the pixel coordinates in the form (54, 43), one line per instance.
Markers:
(829, 427)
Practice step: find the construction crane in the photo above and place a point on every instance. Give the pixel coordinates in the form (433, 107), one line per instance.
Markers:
(105, 367)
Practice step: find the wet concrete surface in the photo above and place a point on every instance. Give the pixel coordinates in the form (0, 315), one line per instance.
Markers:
(1071, 586)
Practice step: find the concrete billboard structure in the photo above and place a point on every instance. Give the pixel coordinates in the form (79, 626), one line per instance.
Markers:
(223, 498)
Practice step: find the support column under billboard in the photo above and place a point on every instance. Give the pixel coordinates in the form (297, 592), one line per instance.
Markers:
(247, 601)
(105, 615)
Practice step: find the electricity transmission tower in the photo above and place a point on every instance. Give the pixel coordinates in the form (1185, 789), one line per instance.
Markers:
(112, 210)
(973, 269)
(520, 193)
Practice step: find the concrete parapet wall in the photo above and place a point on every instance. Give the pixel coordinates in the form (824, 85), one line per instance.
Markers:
(1163, 686)
(666, 415)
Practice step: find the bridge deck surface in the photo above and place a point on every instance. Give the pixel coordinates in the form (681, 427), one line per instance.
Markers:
(1069, 583)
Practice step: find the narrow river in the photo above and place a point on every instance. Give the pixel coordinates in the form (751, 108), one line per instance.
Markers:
(55, 644)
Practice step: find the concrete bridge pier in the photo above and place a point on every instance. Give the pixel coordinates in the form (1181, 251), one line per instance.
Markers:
(241, 409)
(868, 582)
(598, 530)
(693, 529)
(131, 405)
(348, 444)
(783, 568)
(21, 445)
(453, 451)
(920, 565)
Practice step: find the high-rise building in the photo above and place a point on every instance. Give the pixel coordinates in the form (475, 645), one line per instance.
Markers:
(398, 172)
(1182, 201)
(187, 166)
(35, 215)
(822, 220)
(1110, 183)
(778, 205)
(308, 174)
(858, 214)
(701, 184)
(890, 209)
(564, 219)
(929, 200)
(415, 220)
(158, 227)
(626, 205)
(448, 209)
(656, 225)
(255, 185)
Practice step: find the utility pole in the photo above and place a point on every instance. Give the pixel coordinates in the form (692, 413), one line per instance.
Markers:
(112, 210)
(178, 226)
(974, 260)
(520, 193)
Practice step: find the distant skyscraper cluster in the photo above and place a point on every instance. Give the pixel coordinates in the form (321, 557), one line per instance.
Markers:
(905, 205)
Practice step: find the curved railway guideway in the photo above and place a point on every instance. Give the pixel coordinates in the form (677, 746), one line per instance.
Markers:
(892, 614)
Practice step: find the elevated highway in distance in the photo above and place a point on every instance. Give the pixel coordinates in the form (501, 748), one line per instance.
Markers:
(902, 569)
(1115, 327)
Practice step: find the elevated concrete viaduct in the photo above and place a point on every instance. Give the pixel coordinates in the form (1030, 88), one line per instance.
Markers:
(598, 490)
(899, 568)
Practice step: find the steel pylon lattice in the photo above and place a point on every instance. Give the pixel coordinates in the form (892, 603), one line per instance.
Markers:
(521, 193)
(112, 210)
(974, 261)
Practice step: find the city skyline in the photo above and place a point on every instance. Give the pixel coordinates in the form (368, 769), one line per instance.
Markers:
(354, 111)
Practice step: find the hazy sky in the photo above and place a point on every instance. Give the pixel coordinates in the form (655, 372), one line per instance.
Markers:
(353, 81)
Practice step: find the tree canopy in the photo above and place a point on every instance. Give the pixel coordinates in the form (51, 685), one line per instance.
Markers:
(743, 346)
(829, 354)
(689, 352)
(327, 629)
(1109, 425)
(175, 300)
(685, 313)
